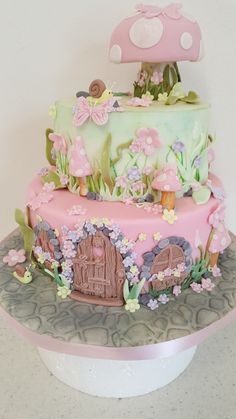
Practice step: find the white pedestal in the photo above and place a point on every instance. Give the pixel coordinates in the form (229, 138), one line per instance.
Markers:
(108, 378)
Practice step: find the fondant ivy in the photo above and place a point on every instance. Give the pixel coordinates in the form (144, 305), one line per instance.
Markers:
(26, 230)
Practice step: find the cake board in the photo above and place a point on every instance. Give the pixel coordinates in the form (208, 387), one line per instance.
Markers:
(109, 352)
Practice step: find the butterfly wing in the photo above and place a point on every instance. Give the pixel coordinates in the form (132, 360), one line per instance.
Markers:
(99, 114)
(81, 112)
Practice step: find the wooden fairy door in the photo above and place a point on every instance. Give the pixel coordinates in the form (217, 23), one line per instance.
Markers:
(99, 273)
(170, 257)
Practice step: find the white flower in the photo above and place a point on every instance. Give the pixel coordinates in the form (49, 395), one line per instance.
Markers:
(162, 98)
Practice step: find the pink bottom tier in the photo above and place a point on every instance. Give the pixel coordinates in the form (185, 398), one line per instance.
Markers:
(143, 227)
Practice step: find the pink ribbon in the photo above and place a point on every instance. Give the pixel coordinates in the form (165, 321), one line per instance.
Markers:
(172, 11)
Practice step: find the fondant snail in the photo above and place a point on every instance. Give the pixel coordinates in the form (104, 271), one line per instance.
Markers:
(23, 274)
(97, 94)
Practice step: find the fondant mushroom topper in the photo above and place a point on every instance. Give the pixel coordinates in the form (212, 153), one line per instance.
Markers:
(157, 36)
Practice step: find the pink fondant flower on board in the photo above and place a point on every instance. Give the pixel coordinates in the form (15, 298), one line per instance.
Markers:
(49, 186)
(77, 210)
(196, 287)
(215, 271)
(207, 284)
(14, 257)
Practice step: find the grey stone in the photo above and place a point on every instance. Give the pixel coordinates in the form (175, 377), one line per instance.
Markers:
(149, 198)
(188, 251)
(144, 299)
(106, 232)
(55, 242)
(58, 255)
(45, 226)
(145, 275)
(163, 243)
(148, 256)
(145, 268)
(148, 263)
(156, 250)
(173, 240)
(91, 196)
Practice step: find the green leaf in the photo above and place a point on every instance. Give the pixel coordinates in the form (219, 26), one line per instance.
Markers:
(126, 290)
(26, 230)
(172, 100)
(53, 177)
(105, 163)
(136, 289)
(49, 146)
(192, 97)
(178, 91)
(202, 196)
(174, 75)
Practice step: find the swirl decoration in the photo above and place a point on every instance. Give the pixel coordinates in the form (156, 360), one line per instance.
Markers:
(96, 88)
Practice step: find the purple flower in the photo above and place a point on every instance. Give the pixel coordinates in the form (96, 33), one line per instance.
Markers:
(153, 304)
(134, 173)
(43, 172)
(177, 290)
(128, 261)
(163, 299)
(73, 236)
(90, 228)
(198, 162)
(178, 147)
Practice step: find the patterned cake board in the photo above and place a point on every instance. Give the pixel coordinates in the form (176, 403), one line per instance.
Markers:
(105, 335)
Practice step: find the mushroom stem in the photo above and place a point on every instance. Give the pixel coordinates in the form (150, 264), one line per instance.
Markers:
(82, 186)
(168, 200)
(213, 259)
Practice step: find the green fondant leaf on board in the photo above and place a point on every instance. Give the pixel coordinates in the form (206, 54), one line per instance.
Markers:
(126, 290)
(26, 230)
(49, 146)
(178, 91)
(136, 289)
(202, 196)
(172, 100)
(106, 164)
(53, 177)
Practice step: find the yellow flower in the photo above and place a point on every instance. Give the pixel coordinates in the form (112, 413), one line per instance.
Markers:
(55, 264)
(177, 273)
(94, 220)
(142, 237)
(125, 242)
(63, 292)
(39, 219)
(132, 305)
(162, 98)
(157, 236)
(106, 221)
(169, 216)
(56, 231)
(41, 259)
(134, 270)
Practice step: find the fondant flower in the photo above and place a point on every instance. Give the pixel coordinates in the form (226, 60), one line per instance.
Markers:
(77, 210)
(162, 98)
(169, 216)
(168, 272)
(215, 271)
(177, 273)
(149, 138)
(137, 101)
(14, 257)
(157, 236)
(157, 77)
(128, 262)
(43, 172)
(177, 290)
(147, 170)
(178, 147)
(38, 200)
(121, 181)
(141, 78)
(181, 267)
(49, 186)
(138, 186)
(134, 173)
(196, 287)
(197, 162)
(132, 305)
(134, 270)
(63, 292)
(207, 284)
(142, 237)
(163, 299)
(160, 276)
(41, 258)
(153, 304)
(218, 216)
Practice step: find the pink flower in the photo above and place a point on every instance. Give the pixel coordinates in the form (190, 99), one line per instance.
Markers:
(207, 284)
(77, 210)
(138, 186)
(147, 170)
(64, 180)
(121, 181)
(177, 290)
(49, 187)
(168, 272)
(141, 78)
(14, 257)
(215, 271)
(59, 143)
(137, 101)
(38, 200)
(163, 299)
(128, 201)
(157, 77)
(196, 287)
(181, 267)
(149, 138)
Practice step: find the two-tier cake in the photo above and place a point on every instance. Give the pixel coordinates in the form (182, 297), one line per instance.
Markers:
(128, 212)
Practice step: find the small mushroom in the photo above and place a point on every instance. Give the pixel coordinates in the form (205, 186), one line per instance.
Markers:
(79, 165)
(219, 238)
(167, 181)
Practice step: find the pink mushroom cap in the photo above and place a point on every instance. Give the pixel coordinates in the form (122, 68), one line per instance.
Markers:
(220, 240)
(155, 35)
(166, 180)
(79, 165)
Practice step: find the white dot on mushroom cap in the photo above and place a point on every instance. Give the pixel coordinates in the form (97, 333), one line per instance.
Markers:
(145, 33)
(79, 172)
(223, 241)
(82, 152)
(166, 187)
(115, 54)
(186, 40)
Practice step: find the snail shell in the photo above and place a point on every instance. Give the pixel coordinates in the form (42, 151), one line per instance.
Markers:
(96, 88)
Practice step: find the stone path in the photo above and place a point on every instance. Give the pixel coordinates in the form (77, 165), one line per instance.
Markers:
(37, 307)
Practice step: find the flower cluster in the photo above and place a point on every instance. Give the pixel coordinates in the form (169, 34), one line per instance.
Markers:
(77, 210)
(176, 272)
(141, 78)
(205, 284)
(42, 256)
